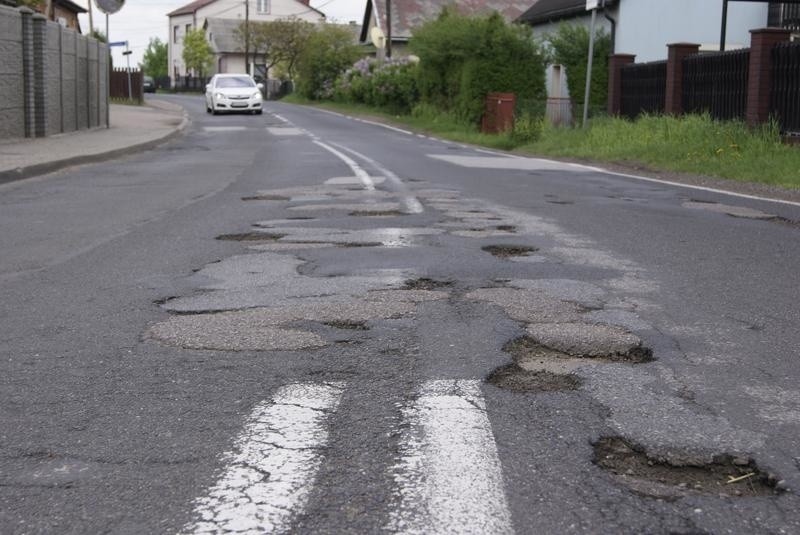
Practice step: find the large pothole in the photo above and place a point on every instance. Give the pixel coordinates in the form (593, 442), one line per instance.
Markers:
(517, 379)
(727, 475)
(424, 283)
(508, 251)
(591, 341)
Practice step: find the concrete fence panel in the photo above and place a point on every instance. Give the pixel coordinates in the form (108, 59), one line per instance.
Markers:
(12, 101)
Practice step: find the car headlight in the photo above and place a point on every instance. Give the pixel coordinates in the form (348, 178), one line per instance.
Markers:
(219, 95)
(257, 94)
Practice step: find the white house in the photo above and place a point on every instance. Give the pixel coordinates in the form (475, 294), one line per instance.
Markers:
(645, 27)
(226, 16)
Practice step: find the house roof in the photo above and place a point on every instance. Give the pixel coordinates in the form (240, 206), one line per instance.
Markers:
(222, 34)
(71, 6)
(410, 14)
(190, 7)
(551, 10)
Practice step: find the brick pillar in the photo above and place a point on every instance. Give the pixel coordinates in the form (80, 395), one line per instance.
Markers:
(615, 64)
(759, 86)
(40, 87)
(673, 101)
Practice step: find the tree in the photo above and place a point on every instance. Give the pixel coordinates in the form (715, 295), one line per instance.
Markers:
(197, 53)
(328, 51)
(278, 42)
(98, 35)
(569, 46)
(154, 60)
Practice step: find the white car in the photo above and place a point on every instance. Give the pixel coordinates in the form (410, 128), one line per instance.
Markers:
(233, 92)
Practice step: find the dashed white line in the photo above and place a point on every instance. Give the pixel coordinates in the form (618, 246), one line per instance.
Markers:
(224, 128)
(449, 478)
(270, 474)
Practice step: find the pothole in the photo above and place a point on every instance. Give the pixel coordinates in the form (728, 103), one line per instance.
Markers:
(553, 201)
(251, 236)
(359, 244)
(300, 218)
(506, 228)
(726, 476)
(346, 324)
(516, 379)
(591, 341)
(265, 198)
(507, 251)
(376, 213)
(425, 283)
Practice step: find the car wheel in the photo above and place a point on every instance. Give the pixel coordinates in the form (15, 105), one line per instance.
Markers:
(258, 112)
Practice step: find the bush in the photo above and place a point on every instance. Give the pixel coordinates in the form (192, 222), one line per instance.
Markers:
(527, 128)
(569, 46)
(391, 86)
(464, 58)
(328, 51)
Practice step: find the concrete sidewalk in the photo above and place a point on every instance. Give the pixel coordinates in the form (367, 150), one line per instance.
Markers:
(133, 128)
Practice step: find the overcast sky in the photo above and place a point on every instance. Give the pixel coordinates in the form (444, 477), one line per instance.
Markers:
(139, 20)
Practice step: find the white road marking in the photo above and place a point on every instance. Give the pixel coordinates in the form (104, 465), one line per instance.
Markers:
(269, 476)
(281, 118)
(224, 128)
(486, 162)
(285, 131)
(413, 206)
(449, 478)
(359, 172)
(365, 121)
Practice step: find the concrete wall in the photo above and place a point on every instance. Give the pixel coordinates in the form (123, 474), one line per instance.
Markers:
(52, 79)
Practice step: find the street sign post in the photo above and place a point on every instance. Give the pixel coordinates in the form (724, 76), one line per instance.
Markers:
(591, 5)
(109, 7)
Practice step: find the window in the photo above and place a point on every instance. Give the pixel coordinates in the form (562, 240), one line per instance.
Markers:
(262, 6)
(188, 29)
(175, 34)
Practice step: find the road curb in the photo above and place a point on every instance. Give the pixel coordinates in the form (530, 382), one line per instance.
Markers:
(21, 173)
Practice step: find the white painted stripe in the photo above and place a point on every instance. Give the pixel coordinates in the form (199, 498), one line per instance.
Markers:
(388, 127)
(281, 118)
(224, 128)
(285, 131)
(449, 478)
(359, 172)
(413, 206)
(269, 476)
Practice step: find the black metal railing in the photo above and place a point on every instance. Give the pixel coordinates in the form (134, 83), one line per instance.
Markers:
(643, 88)
(785, 98)
(790, 16)
(716, 83)
(190, 83)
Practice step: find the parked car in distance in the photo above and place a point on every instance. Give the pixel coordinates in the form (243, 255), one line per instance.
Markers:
(233, 92)
(149, 84)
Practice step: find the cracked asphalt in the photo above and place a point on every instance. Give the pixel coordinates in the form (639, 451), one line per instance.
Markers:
(332, 377)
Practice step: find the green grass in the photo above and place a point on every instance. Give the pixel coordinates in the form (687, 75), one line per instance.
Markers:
(693, 144)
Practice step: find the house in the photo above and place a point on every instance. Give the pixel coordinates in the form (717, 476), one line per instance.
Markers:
(645, 27)
(406, 15)
(65, 12)
(225, 16)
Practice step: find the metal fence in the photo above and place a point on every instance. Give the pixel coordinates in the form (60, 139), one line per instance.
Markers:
(190, 83)
(643, 88)
(717, 83)
(785, 99)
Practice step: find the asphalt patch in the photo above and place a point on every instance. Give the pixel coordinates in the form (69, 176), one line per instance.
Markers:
(506, 228)
(515, 379)
(507, 251)
(251, 236)
(359, 244)
(725, 476)
(591, 341)
(425, 283)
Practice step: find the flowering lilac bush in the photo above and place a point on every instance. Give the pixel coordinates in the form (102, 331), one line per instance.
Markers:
(391, 85)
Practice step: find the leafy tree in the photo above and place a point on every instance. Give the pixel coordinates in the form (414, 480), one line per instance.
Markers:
(328, 51)
(98, 35)
(197, 53)
(154, 60)
(464, 58)
(569, 46)
(278, 42)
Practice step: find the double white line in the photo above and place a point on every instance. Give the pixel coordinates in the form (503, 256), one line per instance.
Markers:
(447, 478)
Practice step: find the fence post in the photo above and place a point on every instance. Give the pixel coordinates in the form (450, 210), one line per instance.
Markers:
(615, 64)
(39, 87)
(27, 69)
(759, 85)
(673, 98)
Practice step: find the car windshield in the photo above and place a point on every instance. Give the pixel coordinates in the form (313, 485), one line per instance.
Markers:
(238, 81)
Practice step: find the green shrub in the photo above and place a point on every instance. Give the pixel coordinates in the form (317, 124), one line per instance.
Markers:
(464, 58)
(569, 46)
(391, 86)
(527, 128)
(328, 51)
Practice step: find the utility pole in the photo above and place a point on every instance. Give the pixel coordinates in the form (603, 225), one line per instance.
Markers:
(388, 28)
(91, 19)
(590, 5)
(49, 10)
(247, 36)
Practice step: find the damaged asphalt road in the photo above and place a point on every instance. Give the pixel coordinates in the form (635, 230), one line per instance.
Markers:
(317, 325)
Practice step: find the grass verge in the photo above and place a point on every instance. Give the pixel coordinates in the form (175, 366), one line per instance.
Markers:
(694, 144)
